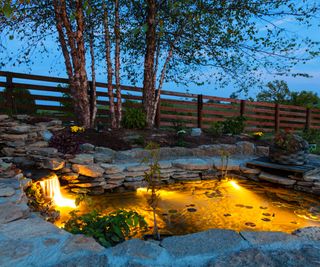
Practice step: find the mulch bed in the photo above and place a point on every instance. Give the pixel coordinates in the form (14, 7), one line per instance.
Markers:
(124, 139)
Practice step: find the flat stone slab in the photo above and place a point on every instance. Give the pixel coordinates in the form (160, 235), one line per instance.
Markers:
(311, 233)
(93, 171)
(192, 164)
(276, 179)
(213, 242)
(6, 191)
(265, 164)
(267, 238)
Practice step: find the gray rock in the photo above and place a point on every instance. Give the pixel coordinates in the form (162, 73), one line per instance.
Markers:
(262, 151)
(245, 148)
(6, 191)
(82, 159)
(43, 151)
(11, 212)
(134, 179)
(3, 117)
(39, 144)
(15, 137)
(196, 132)
(211, 242)
(87, 147)
(311, 233)
(267, 238)
(20, 129)
(247, 170)
(276, 179)
(53, 164)
(191, 164)
(16, 144)
(88, 170)
(105, 150)
(102, 157)
(136, 252)
(111, 169)
(165, 165)
(137, 168)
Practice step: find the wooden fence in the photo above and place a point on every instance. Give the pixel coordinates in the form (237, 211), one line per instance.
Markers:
(191, 110)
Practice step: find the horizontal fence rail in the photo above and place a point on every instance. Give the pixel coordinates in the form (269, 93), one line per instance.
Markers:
(50, 96)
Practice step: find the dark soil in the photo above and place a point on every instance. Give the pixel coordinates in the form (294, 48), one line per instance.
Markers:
(125, 139)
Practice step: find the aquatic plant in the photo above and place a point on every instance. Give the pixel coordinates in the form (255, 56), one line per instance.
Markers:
(152, 177)
(107, 230)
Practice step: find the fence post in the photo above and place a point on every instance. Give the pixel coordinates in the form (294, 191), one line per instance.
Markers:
(242, 108)
(10, 97)
(308, 118)
(200, 107)
(90, 94)
(158, 118)
(277, 118)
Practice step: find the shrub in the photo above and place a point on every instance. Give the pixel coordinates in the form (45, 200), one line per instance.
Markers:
(216, 129)
(134, 118)
(234, 125)
(66, 141)
(23, 102)
(311, 135)
(108, 230)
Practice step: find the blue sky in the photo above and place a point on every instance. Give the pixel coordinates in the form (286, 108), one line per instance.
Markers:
(53, 64)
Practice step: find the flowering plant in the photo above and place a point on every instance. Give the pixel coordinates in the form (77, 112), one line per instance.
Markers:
(76, 129)
(257, 135)
(290, 142)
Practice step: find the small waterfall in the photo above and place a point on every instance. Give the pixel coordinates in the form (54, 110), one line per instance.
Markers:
(51, 189)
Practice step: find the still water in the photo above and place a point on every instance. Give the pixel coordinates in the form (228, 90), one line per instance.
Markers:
(229, 204)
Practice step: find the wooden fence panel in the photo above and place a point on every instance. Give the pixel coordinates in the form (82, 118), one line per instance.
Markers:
(190, 110)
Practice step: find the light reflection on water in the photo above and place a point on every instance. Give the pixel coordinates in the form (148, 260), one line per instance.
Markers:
(197, 206)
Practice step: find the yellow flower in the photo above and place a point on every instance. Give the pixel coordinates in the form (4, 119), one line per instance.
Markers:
(258, 134)
(76, 129)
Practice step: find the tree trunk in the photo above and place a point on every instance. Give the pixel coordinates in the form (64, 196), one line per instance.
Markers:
(73, 49)
(148, 81)
(117, 64)
(109, 66)
(93, 98)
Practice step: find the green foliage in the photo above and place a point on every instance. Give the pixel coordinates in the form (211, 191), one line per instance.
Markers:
(153, 179)
(276, 92)
(232, 126)
(108, 230)
(23, 101)
(304, 98)
(181, 138)
(279, 92)
(134, 118)
(312, 136)
(216, 129)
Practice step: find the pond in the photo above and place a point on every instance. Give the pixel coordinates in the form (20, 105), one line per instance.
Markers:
(229, 204)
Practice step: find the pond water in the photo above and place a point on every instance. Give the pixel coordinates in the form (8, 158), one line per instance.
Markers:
(229, 204)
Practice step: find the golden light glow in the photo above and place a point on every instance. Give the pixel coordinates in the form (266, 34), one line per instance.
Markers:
(51, 189)
(234, 185)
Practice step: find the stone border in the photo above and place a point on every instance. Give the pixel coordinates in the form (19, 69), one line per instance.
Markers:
(28, 240)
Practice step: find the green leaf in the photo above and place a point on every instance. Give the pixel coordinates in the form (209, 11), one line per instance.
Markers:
(7, 10)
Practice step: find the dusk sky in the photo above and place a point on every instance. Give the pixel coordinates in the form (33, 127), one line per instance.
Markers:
(54, 65)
